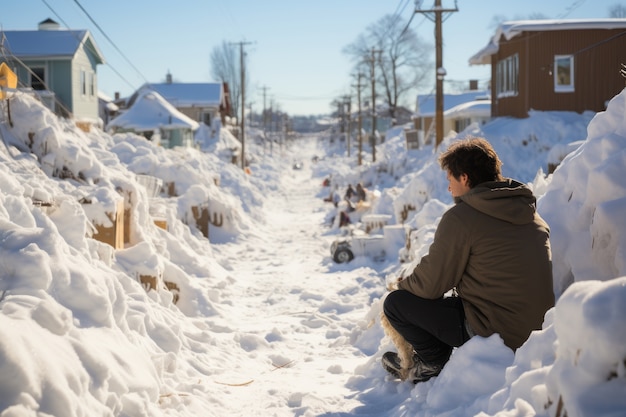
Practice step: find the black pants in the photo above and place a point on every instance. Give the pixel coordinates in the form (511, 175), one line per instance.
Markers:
(432, 327)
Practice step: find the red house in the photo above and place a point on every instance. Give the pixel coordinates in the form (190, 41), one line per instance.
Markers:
(567, 65)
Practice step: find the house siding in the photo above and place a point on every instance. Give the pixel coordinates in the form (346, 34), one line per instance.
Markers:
(85, 105)
(61, 84)
(57, 79)
(598, 55)
(195, 113)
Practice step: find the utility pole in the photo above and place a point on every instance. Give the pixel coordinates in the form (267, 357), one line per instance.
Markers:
(436, 15)
(243, 102)
(264, 88)
(286, 127)
(372, 61)
(271, 116)
(339, 105)
(360, 118)
(348, 103)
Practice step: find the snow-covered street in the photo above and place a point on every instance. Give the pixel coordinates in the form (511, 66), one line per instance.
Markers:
(266, 323)
(294, 312)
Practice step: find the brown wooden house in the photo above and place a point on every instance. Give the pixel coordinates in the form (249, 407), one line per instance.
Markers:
(548, 65)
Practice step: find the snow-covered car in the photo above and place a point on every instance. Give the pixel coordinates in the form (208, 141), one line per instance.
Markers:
(375, 246)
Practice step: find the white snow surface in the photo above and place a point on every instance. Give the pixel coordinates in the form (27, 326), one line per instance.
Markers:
(266, 324)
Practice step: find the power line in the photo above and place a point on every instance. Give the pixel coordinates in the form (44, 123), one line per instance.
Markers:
(403, 7)
(399, 10)
(89, 46)
(575, 5)
(110, 40)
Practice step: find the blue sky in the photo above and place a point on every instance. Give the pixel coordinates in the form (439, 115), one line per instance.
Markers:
(294, 47)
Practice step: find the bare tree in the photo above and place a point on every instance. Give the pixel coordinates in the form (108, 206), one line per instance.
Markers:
(225, 67)
(617, 10)
(498, 19)
(405, 62)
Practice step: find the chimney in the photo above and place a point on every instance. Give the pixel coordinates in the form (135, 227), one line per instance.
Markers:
(49, 24)
(473, 85)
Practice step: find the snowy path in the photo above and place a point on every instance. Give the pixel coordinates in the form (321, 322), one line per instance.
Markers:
(294, 312)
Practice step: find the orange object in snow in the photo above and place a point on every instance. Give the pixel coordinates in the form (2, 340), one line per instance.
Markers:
(8, 79)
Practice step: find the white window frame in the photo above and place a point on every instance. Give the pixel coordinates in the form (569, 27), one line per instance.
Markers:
(92, 84)
(83, 82)
(560, 86)
(507, 76)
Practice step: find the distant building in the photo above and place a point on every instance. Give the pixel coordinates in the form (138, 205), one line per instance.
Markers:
(202, 102)
(567, 65)
(153, 117)
(107, 109)
(459, 111)
(60, 66)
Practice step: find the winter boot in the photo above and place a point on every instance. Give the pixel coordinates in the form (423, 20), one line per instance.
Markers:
(420, 371)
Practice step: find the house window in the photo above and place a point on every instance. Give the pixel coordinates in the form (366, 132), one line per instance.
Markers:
(507, 75)
(38, 78)
(83, 82)
(461, 124)
(563, 73)
(92, 84)
(207, 117)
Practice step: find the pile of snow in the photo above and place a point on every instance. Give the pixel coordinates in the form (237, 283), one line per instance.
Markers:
(81, 335)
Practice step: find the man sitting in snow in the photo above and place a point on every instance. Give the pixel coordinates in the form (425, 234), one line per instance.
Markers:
(492, 249)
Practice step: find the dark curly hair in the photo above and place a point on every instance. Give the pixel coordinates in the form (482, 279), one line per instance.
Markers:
(474, 157)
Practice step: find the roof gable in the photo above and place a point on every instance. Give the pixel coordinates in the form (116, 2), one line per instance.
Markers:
(26, 44)
(511, 29)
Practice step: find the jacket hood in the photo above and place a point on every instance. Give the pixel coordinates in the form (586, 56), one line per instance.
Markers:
(507, 200)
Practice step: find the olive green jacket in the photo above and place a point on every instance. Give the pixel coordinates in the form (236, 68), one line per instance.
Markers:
(494, 248)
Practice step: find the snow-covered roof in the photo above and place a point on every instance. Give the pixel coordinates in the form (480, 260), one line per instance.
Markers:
(52, 44)
(151, 111)
(189, 94)
(426, 104)
(107, 102)
(476, 108)
(514, 28)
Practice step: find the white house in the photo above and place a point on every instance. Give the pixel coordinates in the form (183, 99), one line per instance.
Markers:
(154, 118)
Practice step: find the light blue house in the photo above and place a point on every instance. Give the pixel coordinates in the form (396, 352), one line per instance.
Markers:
(60, 66)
